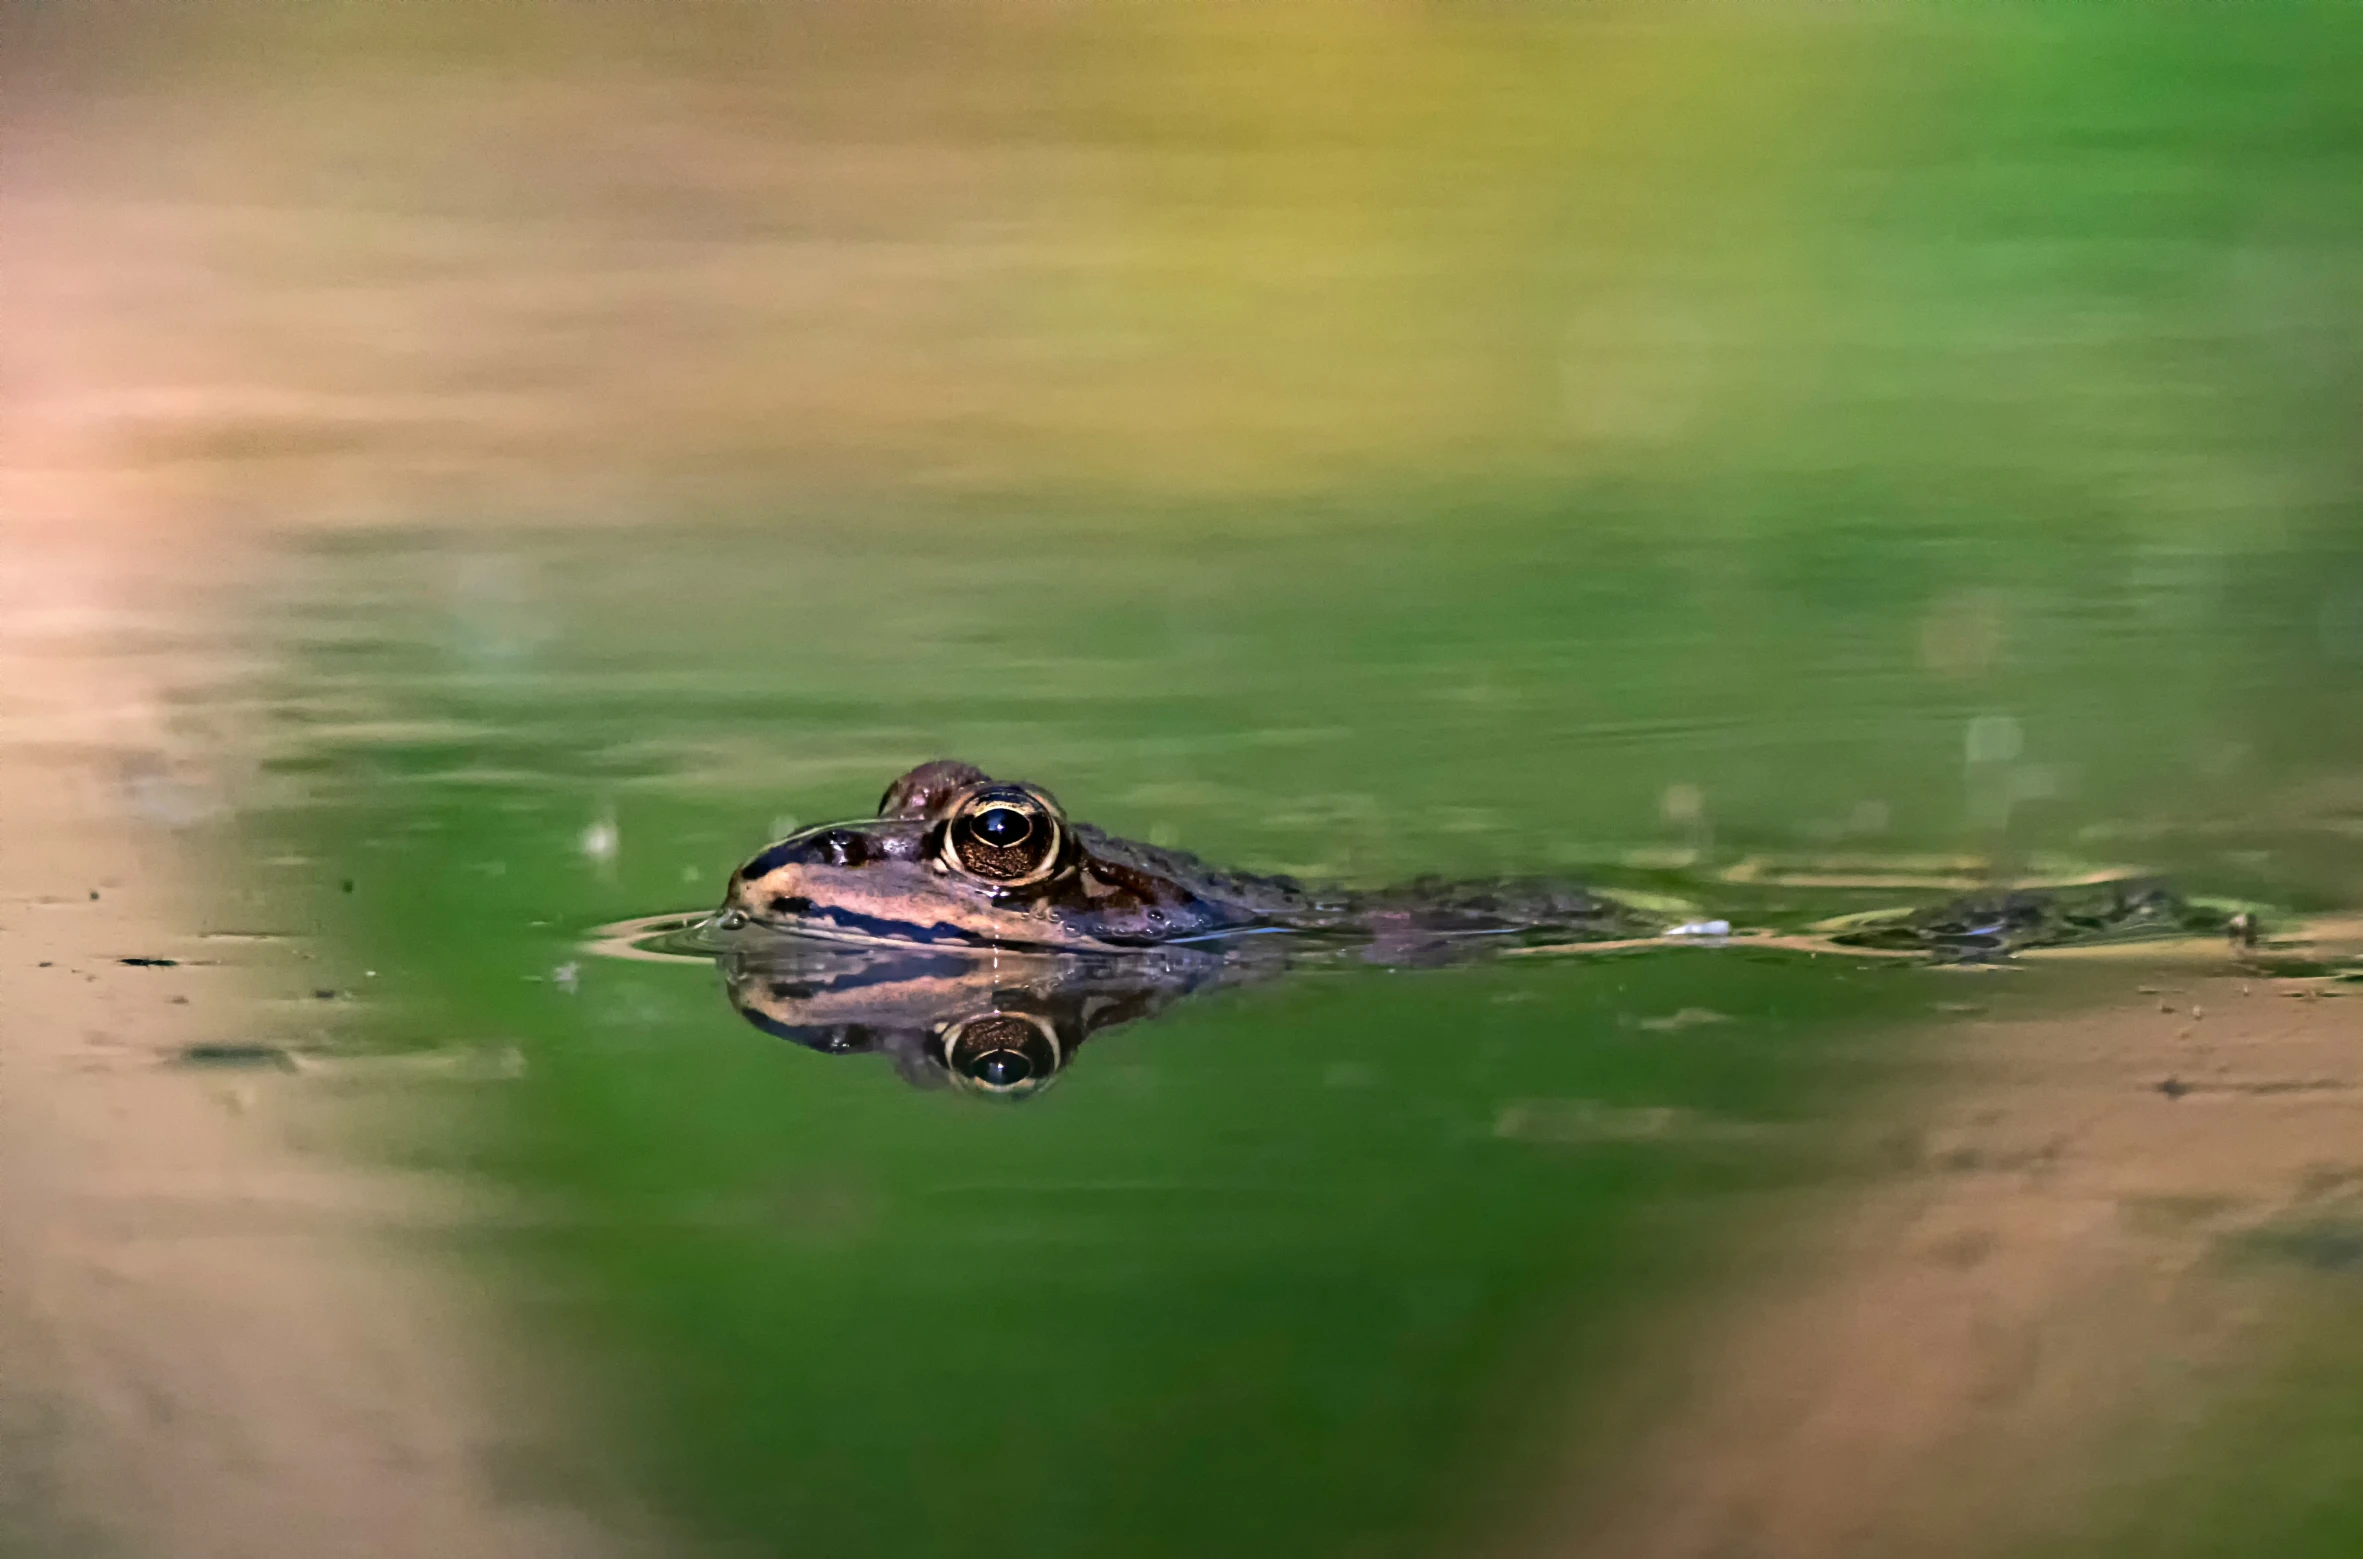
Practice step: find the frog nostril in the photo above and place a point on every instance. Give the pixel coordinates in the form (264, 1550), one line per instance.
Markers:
(844, 847)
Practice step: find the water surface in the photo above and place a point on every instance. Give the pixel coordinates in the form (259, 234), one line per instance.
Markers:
(473, 481)
(1334, 1262)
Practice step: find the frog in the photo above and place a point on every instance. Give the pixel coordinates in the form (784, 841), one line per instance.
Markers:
(1990, 926)
(955, 858)
(975, 935)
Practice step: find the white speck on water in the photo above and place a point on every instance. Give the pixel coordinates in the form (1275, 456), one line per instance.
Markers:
(1701, 928)
(1688, 1017)
(567, 976)
(602, 840)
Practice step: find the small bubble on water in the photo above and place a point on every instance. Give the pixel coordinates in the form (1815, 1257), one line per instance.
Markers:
(1701, 928)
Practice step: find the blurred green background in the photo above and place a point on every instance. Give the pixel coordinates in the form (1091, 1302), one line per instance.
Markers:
(1353, 439)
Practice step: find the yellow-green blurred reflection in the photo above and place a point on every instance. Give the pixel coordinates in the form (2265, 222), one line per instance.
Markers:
(1358, 439)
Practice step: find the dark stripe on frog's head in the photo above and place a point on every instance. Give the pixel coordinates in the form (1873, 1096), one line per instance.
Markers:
(887, 880)
(839, 844)
(846, 922)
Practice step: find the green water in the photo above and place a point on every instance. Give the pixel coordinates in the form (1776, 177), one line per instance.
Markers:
(1360, 447)
(1325, 1265)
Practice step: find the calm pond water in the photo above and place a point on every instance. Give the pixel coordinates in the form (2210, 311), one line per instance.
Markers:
(1793, 467)
(1328, 1264)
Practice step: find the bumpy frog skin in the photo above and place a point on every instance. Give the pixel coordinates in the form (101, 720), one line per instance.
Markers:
(957, 857)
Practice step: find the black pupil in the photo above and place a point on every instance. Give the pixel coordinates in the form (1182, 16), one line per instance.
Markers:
(1003, 827)
(1001, 1068)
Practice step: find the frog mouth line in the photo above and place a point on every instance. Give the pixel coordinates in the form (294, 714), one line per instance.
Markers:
(835, 924)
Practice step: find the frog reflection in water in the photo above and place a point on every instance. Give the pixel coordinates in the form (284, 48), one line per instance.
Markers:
(863, 937)
(868, 936)
(999, 1028)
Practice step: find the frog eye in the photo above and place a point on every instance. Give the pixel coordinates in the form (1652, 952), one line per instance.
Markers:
(1007, 835)
(1004, 1054)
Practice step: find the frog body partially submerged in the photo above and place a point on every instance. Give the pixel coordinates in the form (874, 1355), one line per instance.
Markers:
(955, 857)
(873, 936)
(1984, 926)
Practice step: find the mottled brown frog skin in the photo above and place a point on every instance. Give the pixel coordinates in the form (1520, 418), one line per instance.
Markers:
(957, 857)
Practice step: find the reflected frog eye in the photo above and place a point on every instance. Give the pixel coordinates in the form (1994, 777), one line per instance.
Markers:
(1006, 835)
(1007, 1054)
(1001, 1068)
